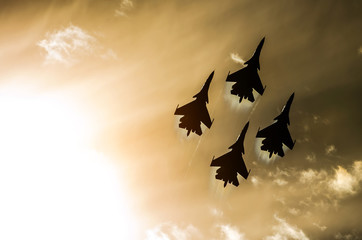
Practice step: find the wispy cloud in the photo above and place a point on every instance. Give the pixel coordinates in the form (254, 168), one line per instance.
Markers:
(280, 182)
(216, 212)
(171, 231)
(124, 7)
(347, 183)
(311, 157)
(168, 231)
(255, 180)
(330, 149)
(322, 228)
(341, 183)
(231, 233)
(347, 236)
(236, 58)
(310, 175)
(69, 45)
(284, 231)
(62, 45)
(294, 211)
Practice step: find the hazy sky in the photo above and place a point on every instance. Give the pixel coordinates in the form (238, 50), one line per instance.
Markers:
(90, 148)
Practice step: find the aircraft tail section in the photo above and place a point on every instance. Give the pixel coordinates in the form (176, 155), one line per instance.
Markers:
(254, 60)
(203, 94)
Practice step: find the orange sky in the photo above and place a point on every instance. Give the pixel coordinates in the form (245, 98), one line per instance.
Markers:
(90, 148)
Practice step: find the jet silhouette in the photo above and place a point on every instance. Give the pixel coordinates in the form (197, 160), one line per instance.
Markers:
(278, 134)
(232, 162)
(247, 78)
(196, 111)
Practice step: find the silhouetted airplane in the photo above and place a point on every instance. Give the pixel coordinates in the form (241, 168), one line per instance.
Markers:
(278, 134)
(232, 162)
(247, 78)
(196, 112)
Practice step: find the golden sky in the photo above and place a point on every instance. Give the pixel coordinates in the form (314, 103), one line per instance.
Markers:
(90, 148)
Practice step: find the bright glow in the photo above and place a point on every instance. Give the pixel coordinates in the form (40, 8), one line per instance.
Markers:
(264, 155)
(233, 100)
(52, 186)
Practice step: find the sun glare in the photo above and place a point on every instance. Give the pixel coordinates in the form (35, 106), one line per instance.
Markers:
(245, 105)
(54, 186)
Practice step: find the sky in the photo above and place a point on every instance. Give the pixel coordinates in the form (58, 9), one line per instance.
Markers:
(90, 148)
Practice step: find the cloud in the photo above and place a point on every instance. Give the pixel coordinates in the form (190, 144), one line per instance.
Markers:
(311, 157)
(284, 231)
(69, 45)
(360, 50)
(340, 183)
(255, 180)
(294, 211)
(347, 236)
(216, 212)
(322, 228)
(331, 149)
(311, 175)
(236, 58)
(344, 182)
(170, 231)
(124, 7)
(231, 233)
(280, 182)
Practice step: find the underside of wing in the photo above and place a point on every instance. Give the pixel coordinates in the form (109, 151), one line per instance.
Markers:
(287, 139)
(197, 130)
(234, 76)
(266, 132)
(257, 84)
(185, 109)
(205, 117)
(243, 74)
(241, 168)
(220, 161)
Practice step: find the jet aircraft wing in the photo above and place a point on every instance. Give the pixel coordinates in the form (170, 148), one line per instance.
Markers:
(234, 76)
(220, 161)
(205, 117)
(266, 132)
(197, 130)
(241, 168)
(184, 109)
(287, 139)
(257, 84)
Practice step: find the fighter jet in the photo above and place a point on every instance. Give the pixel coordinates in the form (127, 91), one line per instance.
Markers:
(232, 162)
(247, 78)
(278, 134)
(196, 112)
